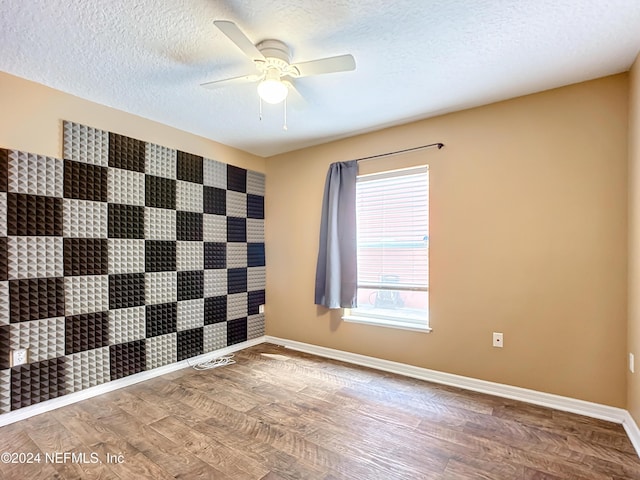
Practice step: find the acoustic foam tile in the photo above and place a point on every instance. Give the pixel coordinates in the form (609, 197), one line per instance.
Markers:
(162, 350)
(188, 196)
(126, 153)
(190, 285)
(189, 226)
(236, 306)
(236, 204)
(36, 298)
(85, 144)
(215, 173)
(5, 391)
(159, 224)
(236, 179)
(215, 283)
(126, 325)
(85, 219)
(87, 369)
(85, 256)
(34, 257)
(4, 303)
(125, 256)
(189, 167)
(3, 214)
(4, 259)
(214, 228)
(34, 215)
(236, 255)
(126, 221)
(126, 290)
(160, 192)
(215, 309)
(160, 255)
(215, 255)
(189, 256)
(215, 337)
(214, 201)
(86, 294)
(256, 278)
(4, 169)
(161, 287)
(236, 229)
(255, 183)
(127, 358)
(161, 319)
(236, 280)
(35, 174)
(43, 338)
(255, 255)
(236, 331)
(255, 230)
(85, 182)
(190, 314)
(190, 343)
(125, 186)
(160, 161)
(255, 326)
(36, 382)
(86, 332)
(255, 298)
(5, 346)
(255, 206)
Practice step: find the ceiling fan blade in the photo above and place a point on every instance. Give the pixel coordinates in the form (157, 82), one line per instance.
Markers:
(341, 63)
(232, 31)
(294, 98)
(229, 81)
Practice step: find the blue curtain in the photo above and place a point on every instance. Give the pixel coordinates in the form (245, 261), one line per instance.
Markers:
(336, 272)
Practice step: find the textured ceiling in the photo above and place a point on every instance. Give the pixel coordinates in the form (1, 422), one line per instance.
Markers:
(415, 58)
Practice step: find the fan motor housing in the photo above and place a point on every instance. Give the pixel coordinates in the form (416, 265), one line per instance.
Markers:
(274, 49)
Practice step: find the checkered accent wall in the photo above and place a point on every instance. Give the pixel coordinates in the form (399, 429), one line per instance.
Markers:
(122, 257)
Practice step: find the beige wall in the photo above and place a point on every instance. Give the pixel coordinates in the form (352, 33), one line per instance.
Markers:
(528, 231)
(633, 333)
(528, 237)
(32, 115)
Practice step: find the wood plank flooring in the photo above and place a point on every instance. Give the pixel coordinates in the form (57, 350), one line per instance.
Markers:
(281, 415)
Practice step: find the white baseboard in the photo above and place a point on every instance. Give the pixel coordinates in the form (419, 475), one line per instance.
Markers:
(633, 432)
(558, 402)
(48, 405)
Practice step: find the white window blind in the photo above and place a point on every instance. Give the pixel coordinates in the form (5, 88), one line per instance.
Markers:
(393, 246)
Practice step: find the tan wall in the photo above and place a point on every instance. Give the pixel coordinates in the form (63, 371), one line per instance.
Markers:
(528, 237)
(32, 115)
(633, 333)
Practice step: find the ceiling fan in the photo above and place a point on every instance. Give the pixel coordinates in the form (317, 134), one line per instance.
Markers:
(274, 70)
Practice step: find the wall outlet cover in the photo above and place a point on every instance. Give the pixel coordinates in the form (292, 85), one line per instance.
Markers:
(19, 357)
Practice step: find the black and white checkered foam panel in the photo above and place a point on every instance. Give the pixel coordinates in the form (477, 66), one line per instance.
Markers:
(122, 257)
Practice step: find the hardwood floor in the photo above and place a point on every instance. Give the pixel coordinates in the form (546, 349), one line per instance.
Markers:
(278, 414)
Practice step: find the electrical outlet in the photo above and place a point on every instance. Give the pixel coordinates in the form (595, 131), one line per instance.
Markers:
(19, 357)
(260, 309)
(632, 363)
(498, 340)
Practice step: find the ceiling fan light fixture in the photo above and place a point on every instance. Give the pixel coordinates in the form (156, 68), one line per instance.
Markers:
(271, 89)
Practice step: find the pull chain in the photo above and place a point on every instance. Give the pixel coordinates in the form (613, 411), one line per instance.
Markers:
(284, 127)
(260, 113)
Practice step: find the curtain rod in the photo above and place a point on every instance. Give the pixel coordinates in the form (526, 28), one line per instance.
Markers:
(397, 152)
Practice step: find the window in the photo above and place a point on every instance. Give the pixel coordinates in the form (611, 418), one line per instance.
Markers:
(393, 249)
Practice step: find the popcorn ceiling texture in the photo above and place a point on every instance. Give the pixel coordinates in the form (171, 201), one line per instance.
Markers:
(415, 59)
(122, 257)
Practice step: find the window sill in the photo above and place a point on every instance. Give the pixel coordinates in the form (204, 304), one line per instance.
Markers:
(389, 323)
